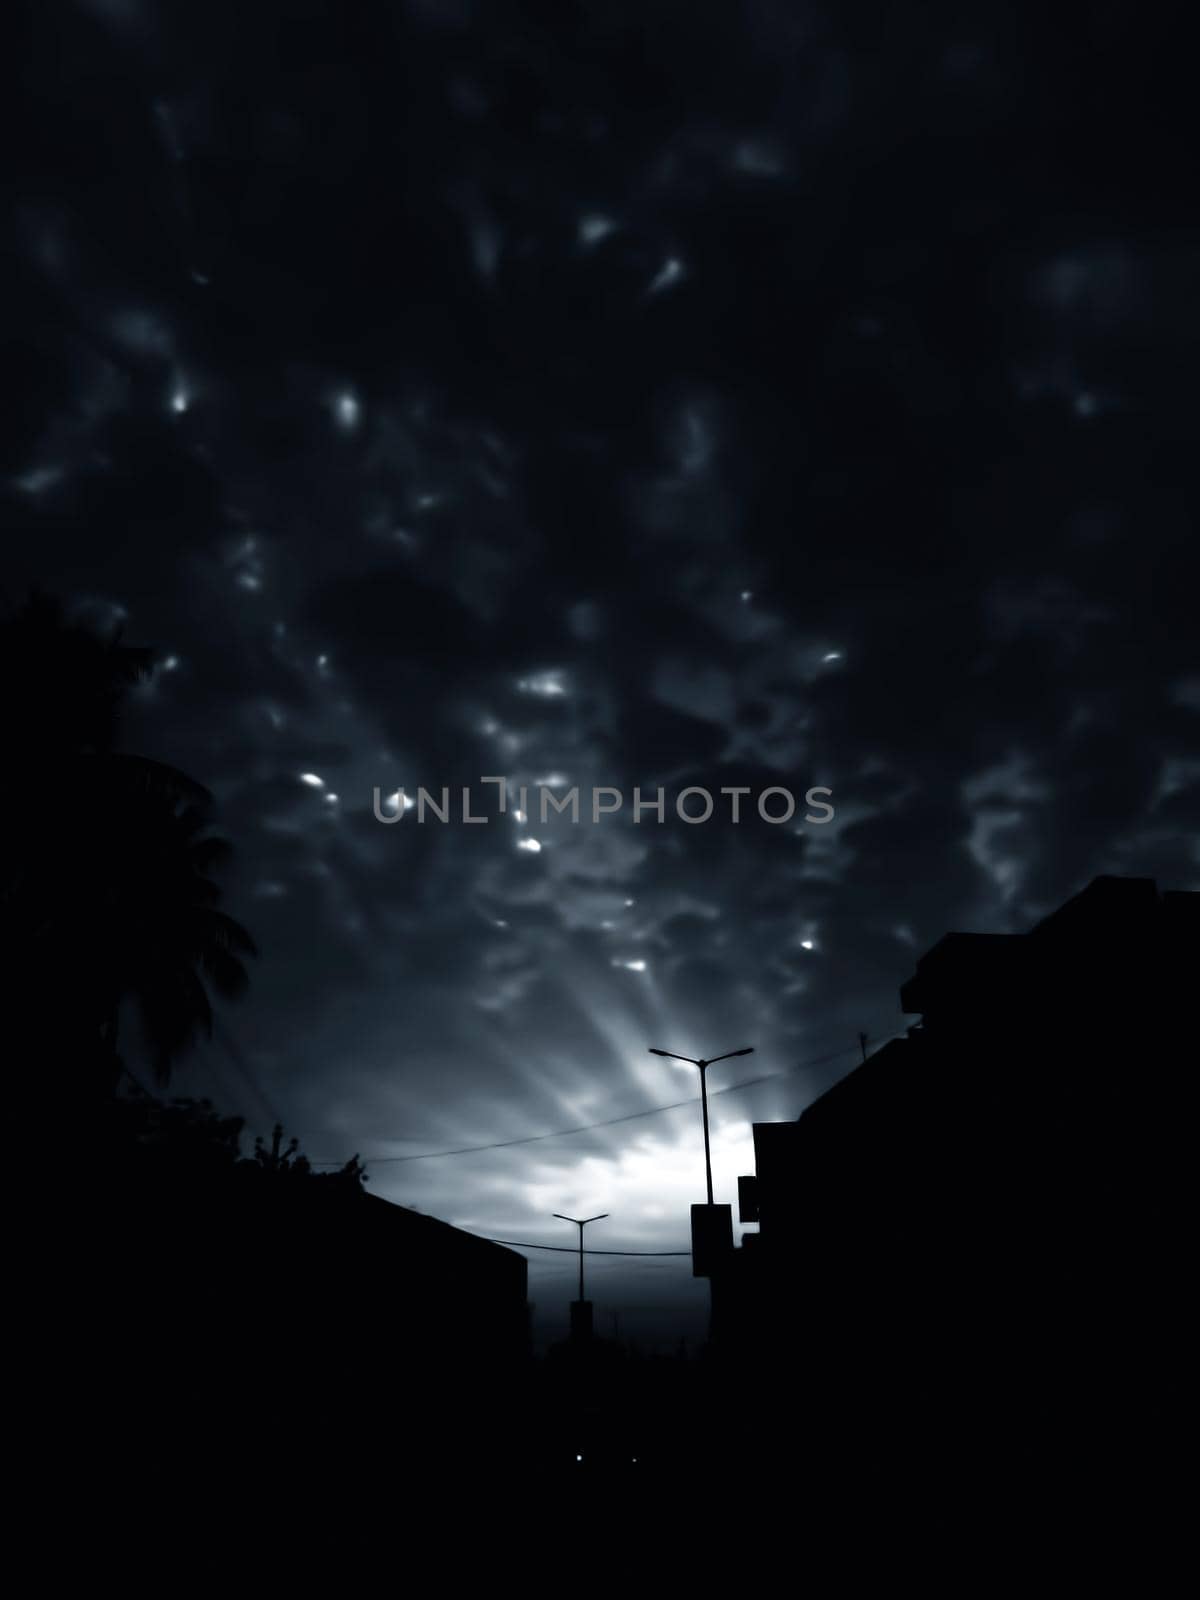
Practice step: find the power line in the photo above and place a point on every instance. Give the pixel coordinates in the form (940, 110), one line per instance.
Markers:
(608, 1122)
(585, 1127)
(573, 1250)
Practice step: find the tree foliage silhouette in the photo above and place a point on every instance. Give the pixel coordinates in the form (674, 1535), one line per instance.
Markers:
(107, 891)
(290, 1161)
(191, 1134)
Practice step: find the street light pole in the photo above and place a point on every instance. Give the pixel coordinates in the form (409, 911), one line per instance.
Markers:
(581, 1224)
(703, 1065)
(692, 1061)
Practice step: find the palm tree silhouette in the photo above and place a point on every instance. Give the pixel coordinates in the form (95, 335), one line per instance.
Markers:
(107, 891)
(167, 943)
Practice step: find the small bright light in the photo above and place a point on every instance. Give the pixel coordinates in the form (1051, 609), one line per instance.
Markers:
(579, 1458)
(395, 799)
(832, 655)
(593, 229)
(629, 902)
(520, 816)
(546, 684)
(170, 664)
(747, 596)
(348, 410)
(532, 845)
(634, 966)
(331, 799)
(671, 272)
(179, 402)
(311, 779)
(807, 944)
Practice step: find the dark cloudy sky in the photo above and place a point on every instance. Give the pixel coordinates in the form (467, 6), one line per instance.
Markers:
(800, 393)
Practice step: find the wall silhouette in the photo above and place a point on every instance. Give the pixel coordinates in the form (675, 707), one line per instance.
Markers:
(258, 1285)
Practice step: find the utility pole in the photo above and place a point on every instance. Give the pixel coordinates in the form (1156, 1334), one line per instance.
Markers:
(581, 1319)
(692, 1061)
(712, 1225)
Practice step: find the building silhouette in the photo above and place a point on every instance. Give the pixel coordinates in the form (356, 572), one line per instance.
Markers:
(300, 1304)
(973, 1243)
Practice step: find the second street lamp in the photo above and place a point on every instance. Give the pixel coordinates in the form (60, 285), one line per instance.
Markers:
(704, 1066)
(581, 1223)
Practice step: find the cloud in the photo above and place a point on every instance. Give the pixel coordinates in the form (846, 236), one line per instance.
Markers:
(885, 488)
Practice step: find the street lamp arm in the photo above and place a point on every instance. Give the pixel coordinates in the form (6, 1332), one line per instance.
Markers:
(580, 1223)
(748, 1050)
